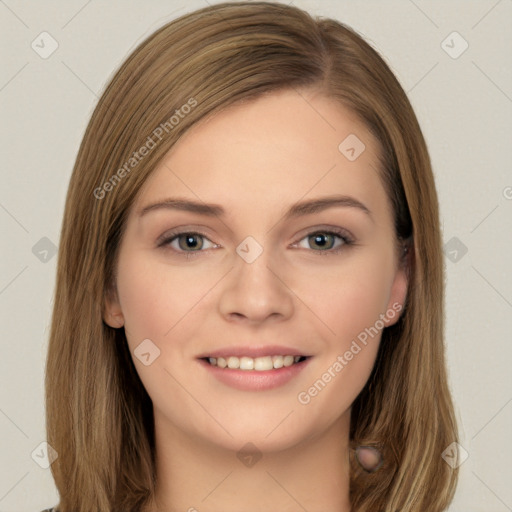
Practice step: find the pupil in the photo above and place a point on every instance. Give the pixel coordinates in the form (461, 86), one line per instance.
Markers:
(321, 239)
(191, 242)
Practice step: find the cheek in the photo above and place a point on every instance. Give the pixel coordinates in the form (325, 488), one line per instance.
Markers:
(349, 300)
(155, 297)
(349, 297)
(163, 305)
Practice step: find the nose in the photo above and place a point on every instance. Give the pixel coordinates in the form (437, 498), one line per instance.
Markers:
(256, 292)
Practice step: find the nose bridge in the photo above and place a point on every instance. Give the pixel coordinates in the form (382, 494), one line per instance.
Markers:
(255, 290)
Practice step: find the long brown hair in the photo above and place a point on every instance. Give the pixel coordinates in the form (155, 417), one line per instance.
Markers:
(98, 414)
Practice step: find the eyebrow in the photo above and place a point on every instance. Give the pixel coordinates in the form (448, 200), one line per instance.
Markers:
(301, 208)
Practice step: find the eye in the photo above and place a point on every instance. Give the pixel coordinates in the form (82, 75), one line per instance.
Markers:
(320, 241)
(325, 241)
(187, 242)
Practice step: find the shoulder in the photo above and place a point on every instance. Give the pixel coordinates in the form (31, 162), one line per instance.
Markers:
(48, 510)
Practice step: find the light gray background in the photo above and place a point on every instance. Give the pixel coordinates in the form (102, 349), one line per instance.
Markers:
(463, 105)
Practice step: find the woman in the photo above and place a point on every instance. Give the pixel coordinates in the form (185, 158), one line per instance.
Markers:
(249, 300)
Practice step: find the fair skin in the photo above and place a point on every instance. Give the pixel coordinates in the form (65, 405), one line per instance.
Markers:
(311, 293)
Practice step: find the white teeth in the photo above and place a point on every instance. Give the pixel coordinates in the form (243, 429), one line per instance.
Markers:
(233, 362)
(288, 360)
(246, 363)
(263, 363)
(254, 363)
(278, 361)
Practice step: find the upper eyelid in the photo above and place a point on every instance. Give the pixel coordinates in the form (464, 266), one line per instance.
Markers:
(179, 230)
(338, 231)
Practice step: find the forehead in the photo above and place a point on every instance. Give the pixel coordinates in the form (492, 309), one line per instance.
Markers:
(273, 150)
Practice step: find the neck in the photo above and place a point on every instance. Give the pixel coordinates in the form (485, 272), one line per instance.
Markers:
(196, 476)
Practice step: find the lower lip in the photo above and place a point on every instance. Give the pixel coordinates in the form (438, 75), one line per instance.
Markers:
(254, 380)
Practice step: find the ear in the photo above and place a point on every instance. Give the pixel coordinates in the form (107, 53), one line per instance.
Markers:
(113, 314)
(398, 295)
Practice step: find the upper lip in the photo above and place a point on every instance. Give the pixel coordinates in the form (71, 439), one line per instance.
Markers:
(254, 351)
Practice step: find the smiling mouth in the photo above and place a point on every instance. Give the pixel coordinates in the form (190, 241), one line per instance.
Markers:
(264, 363)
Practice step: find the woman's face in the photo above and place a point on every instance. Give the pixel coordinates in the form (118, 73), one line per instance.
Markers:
(265, 232)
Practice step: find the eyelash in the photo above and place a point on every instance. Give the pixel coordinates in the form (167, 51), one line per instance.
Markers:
(341, 234)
